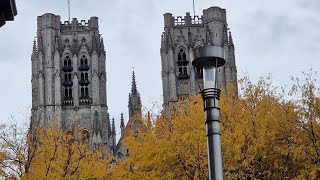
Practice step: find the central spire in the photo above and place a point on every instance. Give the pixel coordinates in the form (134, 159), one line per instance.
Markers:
(133, 83)
(134, 104)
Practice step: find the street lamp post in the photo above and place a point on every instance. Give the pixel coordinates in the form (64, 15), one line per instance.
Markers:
(210, 58)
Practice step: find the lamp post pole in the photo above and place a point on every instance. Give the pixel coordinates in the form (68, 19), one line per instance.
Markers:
(210, 58)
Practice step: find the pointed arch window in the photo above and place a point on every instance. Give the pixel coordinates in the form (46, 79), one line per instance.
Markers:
(67, 64)
(84, 92)
(84, 78)
(68, 93)
(182, 55)
(84, 63)
(182, 64)
(67, 79)
(83, 60)
(67, 61)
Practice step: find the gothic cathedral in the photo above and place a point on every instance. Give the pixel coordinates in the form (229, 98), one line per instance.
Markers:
(69, 73)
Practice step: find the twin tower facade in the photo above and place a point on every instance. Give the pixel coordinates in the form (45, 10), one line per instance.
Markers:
(69, 71)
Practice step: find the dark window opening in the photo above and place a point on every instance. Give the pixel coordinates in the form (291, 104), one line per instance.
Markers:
(67, 64)
(82, 92)
(182, 63)
(199, 72)
(185, 70)
(84, 63)
(86, 92)
(66, 92)
(82, 76)
(70, 93)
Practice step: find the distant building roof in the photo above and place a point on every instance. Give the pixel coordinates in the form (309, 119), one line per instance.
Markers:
(8, 10)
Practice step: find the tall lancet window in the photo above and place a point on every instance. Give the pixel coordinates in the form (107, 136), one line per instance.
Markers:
(68, 93)
(84, 63)
(67, 64)
(67, 61)
(182, 64)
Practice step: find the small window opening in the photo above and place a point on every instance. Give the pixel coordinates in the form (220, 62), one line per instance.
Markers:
(185, 70)
(70, 93)
(82, 76)
(82, 92)
(182, 62)
(86, 92)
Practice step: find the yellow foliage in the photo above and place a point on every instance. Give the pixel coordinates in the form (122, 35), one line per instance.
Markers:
(265, 135)
(65, 156)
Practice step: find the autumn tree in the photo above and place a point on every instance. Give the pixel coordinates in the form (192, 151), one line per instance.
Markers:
(13, 151)
(66, 156)
(49, 153)
(266, 134)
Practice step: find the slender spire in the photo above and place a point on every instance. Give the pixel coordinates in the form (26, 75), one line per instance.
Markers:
(34, 50)
(122, 121)
(109, 126)
(230, 40)
(122, 124)
(134, 103)
(101, 45)
(133, 83)
(113, 127)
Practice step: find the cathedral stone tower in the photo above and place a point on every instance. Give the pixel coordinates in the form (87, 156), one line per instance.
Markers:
(181, 35)
(69, 78)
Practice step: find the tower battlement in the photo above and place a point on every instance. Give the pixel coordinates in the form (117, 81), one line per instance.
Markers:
(211, 14)
(50, 20)
(214, 14)
(76, 25)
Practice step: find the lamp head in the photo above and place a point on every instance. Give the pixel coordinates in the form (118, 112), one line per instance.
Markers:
(208, 56)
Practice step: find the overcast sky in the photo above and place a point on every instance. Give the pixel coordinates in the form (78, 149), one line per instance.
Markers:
(280, 37)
